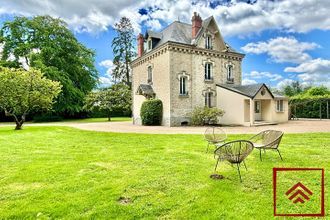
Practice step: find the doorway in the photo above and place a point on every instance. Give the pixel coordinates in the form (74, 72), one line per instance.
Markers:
(257, 110)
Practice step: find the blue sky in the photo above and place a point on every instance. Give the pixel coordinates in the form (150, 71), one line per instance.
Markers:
(283, 40)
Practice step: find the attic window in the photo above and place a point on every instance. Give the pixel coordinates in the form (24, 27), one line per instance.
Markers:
(149, 44)
(230, 75)
(208, 42)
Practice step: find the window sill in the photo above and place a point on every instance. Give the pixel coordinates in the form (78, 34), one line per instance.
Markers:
(279, 111)
(184, 95)
(208, 80)
(230, 82)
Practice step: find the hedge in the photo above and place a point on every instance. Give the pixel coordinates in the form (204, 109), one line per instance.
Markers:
(310, 107)
(152, 112)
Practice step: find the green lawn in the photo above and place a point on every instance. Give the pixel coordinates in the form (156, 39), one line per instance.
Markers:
(86, 120)
(60, 172)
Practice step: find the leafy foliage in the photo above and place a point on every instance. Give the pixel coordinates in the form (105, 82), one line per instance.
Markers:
(46, 43)
(312, 103)
(24, 91)
(117, 98)
(206, 115)
(294, 88)
(152, 112)
(123, 50)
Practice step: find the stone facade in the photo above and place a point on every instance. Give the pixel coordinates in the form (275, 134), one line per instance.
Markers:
(172, 60)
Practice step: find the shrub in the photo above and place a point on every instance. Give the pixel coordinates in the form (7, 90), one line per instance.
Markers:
(152, 112)
(206, 115)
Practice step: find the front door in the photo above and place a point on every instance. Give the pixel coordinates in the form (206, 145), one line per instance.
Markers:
(257, 110)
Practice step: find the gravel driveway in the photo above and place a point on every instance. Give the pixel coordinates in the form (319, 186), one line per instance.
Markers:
(128, 127)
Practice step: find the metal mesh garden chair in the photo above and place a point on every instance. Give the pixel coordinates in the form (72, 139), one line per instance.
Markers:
(234, 152)
(214, 135)
(267, 140)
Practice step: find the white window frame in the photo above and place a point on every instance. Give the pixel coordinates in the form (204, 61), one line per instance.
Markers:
(208, 71)
(280, 105)
(208, 99)
(149, 74)
(149, 44)
(230, 75)
(208, 42)
(183, 85)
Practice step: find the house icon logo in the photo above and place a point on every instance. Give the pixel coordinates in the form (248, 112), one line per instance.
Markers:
(298, 192)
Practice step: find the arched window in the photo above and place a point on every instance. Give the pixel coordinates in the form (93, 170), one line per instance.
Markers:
(230, 74)
(149, 74)
(208, 71)
(208, 42)
(183, 85)
(208, 99)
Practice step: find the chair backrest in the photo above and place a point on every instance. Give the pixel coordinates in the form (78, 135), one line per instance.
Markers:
(270, 136)
(234, 151)
(215, 134)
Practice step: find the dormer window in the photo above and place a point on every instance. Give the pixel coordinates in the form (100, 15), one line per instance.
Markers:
(149, 74)
(230, 74)
(208, 71)
(208, 42)
(149, 44)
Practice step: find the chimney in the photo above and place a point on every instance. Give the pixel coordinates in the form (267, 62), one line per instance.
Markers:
(196, 24)
(140, 41)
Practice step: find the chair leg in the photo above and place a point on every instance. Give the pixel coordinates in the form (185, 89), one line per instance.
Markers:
(207, 147)
(244, 165)
(260, 154)
(239, 173)
(216, 165)
(278, 151)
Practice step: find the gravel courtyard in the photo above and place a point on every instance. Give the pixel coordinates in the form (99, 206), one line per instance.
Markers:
(299, 126)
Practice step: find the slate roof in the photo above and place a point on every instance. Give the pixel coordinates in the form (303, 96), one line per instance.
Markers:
(145, 89)
(246, 90)
(179, 32)
(176, 32)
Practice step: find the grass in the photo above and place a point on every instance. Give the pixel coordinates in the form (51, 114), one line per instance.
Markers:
(84, 120)
(61, 172)
(88, 120)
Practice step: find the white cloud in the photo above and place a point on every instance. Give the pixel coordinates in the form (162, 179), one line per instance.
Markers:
(264, 75)
(235, 18)
(105, 82)
(315, 71)
(154, 24)
(248, 81)
(108, 64)
(284, 83)
(282, 49)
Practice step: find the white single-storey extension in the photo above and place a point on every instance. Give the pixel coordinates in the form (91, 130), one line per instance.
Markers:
(251, 105)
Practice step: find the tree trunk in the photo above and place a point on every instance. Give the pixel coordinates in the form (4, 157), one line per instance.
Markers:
(19, 123)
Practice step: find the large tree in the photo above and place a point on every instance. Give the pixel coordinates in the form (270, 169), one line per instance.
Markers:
(116, 98)
(46, 43)
(24, 91)
(293, 89)
(123, 50)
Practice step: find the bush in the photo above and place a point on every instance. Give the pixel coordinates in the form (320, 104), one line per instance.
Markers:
(152, 112)
(47, 118)
(206, 115)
